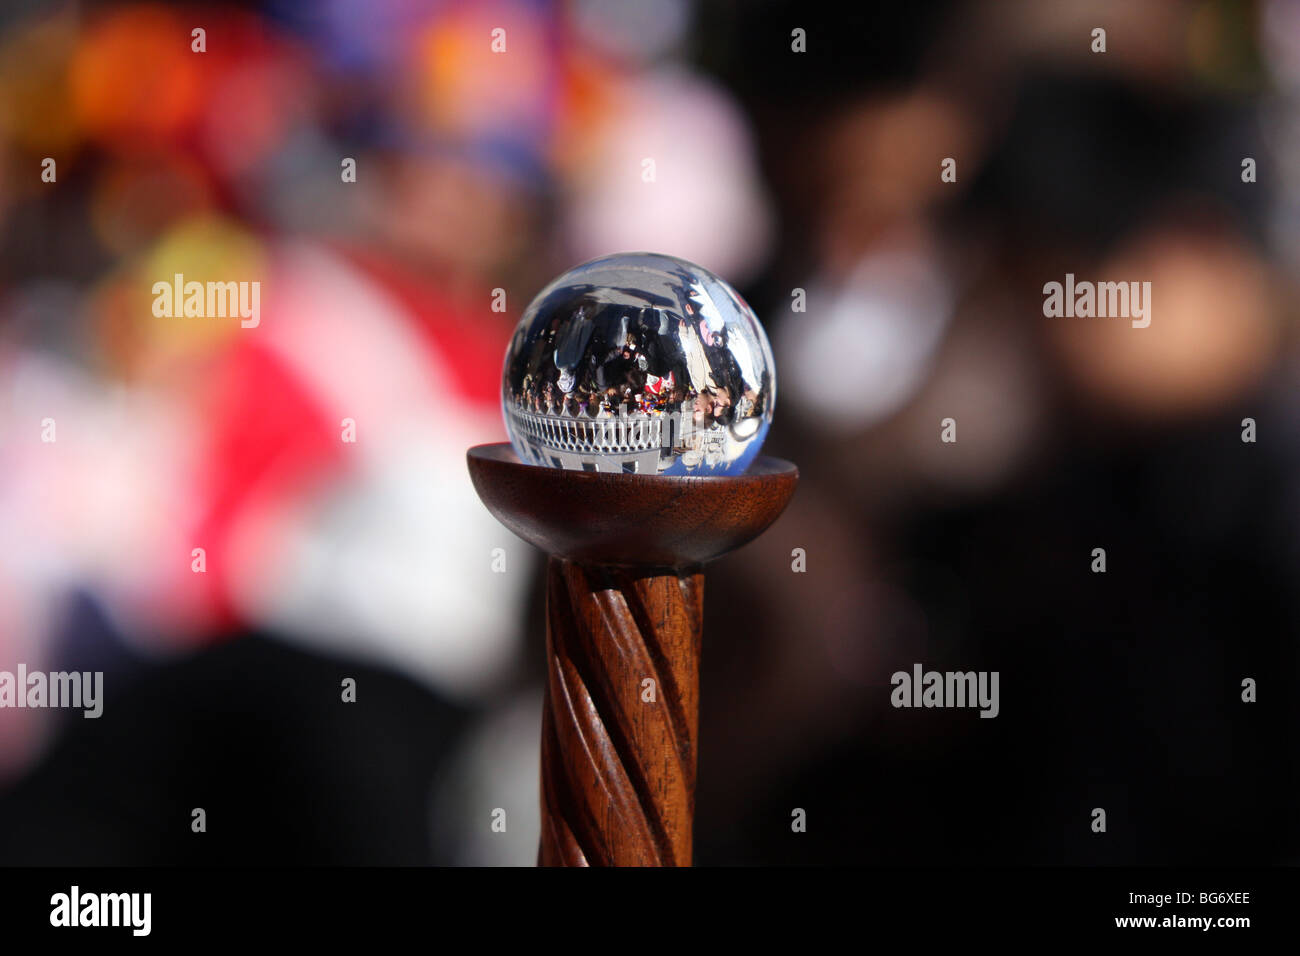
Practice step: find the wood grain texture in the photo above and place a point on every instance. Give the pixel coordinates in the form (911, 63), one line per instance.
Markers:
(626, 519)
(618, 754)
(624, 605)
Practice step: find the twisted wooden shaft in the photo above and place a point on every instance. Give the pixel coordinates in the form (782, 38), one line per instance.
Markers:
(619, 731)
(621, 714)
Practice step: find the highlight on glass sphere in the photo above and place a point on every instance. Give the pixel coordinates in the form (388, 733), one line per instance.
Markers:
(639, 363)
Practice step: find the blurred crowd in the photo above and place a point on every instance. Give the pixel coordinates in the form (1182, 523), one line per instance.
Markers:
(392, 171)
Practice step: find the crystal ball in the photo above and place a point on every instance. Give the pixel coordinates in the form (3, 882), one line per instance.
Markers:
(639, 363)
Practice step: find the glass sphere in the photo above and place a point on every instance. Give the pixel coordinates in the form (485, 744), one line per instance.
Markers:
(639, 363)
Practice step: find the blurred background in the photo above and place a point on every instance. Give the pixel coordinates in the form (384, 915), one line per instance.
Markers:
(801, 177)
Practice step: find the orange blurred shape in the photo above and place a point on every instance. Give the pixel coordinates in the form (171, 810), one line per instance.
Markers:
(1213, 330)
(587, 98)
(466, 87)
(135, 81)
(35, 103)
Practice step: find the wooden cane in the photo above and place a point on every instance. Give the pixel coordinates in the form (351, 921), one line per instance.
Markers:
(624, 604)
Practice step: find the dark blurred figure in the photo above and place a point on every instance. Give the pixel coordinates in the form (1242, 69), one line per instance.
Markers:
(1119, 690)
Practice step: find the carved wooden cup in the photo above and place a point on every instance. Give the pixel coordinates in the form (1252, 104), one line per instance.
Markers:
(624, 604)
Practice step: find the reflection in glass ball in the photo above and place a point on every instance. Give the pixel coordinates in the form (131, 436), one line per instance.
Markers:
(639, 363)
